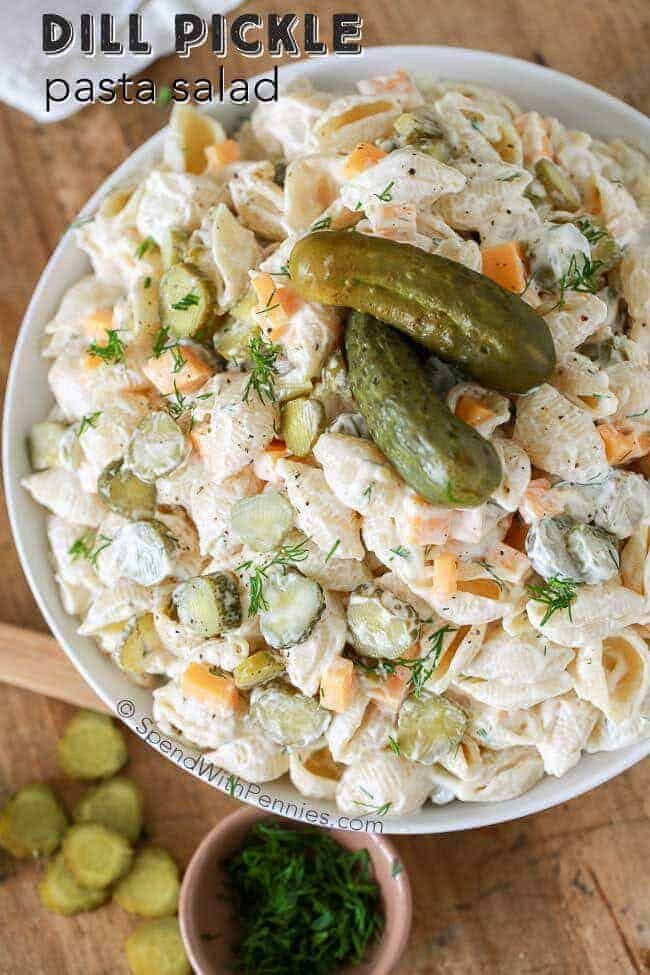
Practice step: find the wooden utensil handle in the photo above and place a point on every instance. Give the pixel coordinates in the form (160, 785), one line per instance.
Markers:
(36, 662)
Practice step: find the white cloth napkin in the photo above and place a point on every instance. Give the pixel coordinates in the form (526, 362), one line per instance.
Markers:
(24, 67)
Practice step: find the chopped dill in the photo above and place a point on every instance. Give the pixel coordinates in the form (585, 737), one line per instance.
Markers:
(147, 282)
(304, 903)
(386, 196)
(87, 421)
(143, 247)
(591, 231)
(584, 278)
(488, 568)
(112, 352)
(401, 552)
(420, 669)
(332, 550)
(393, 744)
(323, 224)
(187, 301)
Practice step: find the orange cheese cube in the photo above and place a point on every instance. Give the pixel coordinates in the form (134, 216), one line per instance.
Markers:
(445, 574)
(505, 265)
(364, 155)
(337, 685)
(163, 372)
(201, 683)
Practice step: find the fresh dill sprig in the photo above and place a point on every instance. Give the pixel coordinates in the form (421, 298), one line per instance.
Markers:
(420, 669)
(161, 344)
(187, 301)
(263, 356)
(89, 546)
(87, 421)
(112, 352)
(591, 231)
(258, 572)
(231, 785)
(372, 809)
(555, 594)
(284, 271)
(367, 493)
(584, 278)
(143, 247)
(323, 224)
(177, 356)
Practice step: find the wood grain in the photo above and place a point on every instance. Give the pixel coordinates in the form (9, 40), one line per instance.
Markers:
(565, 891)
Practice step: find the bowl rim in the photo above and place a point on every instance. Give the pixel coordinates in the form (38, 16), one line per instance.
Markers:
(397, 902)
(464, 63)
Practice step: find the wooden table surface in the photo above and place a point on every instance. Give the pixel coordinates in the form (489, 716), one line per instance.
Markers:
(563, 892)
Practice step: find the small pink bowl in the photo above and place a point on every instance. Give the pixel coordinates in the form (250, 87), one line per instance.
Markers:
(209, 925)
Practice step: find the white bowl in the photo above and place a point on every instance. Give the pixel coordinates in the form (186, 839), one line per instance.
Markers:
(28, 400)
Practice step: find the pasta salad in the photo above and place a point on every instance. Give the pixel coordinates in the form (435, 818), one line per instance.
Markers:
(331, 551)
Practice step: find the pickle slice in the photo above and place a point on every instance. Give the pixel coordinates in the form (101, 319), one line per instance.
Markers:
(123, 492)
(302, 422)
(157, 447)
(262, 521)
(60, 892)
(293, 606)
(208, 604)
(44, 443)
(259, 668)
(429, 728)
(151, 888)
(144, 550)
(186, 301)
(32, 823)
(96, 856)
(232, 340)
(173, 243)
(559, 187)
(156, 948)
(115, 804)
(142, 640)
(381, 624)
(288, 718)
(92, 747)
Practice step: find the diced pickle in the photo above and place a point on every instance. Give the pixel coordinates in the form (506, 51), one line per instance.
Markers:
(44, 443)
(208, 604)
(141, 640)
(231, 341)
(419, 123)
(429, 728)
(302, 422)
(563, 194)
(173, 243)
(381, 624)
(186, 301)
(115, 804)
(292, 606)
(60, 892)
(259, 668)
(151, 888)
(156, 948)
(92, 747)
(262, 521)
(157, 447)
(32, 823)
(96, 856)
(607, 251)
(596, 553)
(123, 492)
(144, 549)
(288, 718)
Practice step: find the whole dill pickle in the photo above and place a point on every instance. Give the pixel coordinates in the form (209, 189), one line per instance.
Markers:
(462, 316)
(446, 461)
